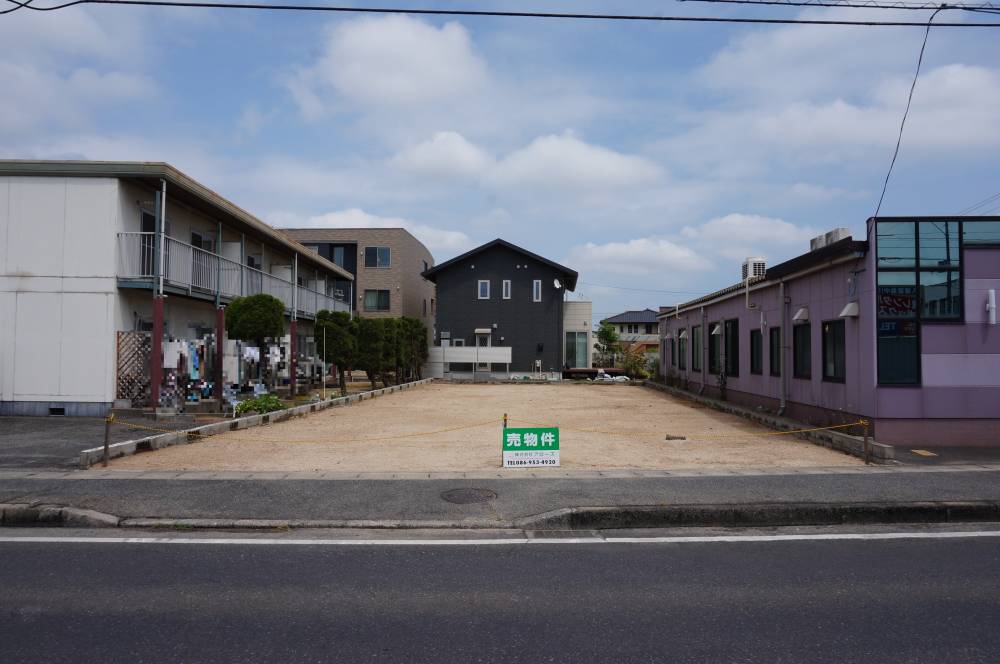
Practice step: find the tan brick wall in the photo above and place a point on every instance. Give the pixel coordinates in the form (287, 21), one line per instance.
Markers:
(407, 289)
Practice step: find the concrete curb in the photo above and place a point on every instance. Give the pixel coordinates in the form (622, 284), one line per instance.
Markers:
(22, 514)
(835, 440)
(761, 514)
(94, 455)
(573, 518)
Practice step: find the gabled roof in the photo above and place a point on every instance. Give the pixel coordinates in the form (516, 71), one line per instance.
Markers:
(570, 275)
(643, 316)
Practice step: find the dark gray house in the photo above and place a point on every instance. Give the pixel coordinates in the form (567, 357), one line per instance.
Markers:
(504, 306)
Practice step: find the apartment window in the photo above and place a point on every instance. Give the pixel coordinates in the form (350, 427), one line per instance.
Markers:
(576, 350)
(536, 290)
(696, 347)
(802, 351)
(633, 328)
(732, 341)
(673, 354)
(376, 300)
(458, 342)
(202, 241)
(484, 289)
(774, 351)
(714, 351)
(337, 254)
(650, 328)
(834, 343)
(756, 352)
(506, 289)
(682, 354)
(377, 257)
(981, 232)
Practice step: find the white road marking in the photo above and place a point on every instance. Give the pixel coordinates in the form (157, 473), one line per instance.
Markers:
(694, 539)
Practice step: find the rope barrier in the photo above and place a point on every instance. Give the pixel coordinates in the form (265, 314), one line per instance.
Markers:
(628, 434)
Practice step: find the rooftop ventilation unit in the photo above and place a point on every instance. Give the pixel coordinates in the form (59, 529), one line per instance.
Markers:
(836, 235)
(753, 268)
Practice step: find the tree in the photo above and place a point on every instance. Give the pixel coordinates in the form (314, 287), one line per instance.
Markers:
(634, 361)
(369, 336)
(256, 318)
(337, 343)
(607, 344)
(414, 334)
(389, 359)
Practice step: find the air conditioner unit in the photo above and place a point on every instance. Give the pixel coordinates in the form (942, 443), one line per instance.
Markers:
(753, 268)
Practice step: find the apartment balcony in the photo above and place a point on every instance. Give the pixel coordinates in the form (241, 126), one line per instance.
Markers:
(203, 274)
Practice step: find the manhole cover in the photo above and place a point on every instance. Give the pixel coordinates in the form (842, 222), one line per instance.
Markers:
(468, 496)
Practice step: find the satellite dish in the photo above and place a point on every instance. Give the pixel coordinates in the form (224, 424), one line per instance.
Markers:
(556, 283)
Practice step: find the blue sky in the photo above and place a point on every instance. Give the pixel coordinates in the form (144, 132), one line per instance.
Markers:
(649, 156)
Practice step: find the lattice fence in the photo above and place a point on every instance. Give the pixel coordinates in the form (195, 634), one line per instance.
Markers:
(134, 351)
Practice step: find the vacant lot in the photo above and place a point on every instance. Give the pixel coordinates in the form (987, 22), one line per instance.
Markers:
(602, 427)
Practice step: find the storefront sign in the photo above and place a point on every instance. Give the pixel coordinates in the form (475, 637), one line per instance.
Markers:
(530, 448)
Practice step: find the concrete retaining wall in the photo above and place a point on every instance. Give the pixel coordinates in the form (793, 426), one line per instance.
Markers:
(194, 434)
(831, 438)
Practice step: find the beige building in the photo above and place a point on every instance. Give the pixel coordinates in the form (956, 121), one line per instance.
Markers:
(386, 264)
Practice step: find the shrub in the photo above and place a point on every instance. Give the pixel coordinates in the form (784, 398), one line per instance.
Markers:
(265, 403)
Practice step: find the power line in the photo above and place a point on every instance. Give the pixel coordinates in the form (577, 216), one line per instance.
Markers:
(982, 203)
(498, 14)
(906, 112)
(858, 4)
(643, 290)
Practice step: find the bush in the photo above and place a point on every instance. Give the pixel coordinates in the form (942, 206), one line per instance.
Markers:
(265, 403)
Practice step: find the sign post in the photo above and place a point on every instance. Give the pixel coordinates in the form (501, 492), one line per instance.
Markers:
(530, 447)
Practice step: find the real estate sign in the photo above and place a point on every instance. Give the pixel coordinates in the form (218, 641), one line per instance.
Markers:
(530, 448)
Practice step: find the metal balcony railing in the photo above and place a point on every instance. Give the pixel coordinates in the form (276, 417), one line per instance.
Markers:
(197, 270)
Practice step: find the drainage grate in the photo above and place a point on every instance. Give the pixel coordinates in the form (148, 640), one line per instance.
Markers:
(468, 496)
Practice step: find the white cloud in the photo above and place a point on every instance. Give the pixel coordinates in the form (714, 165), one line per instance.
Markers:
(394, 60)
(745, 228)
(435, 239)
(638, 257)
(447, 155)
(565, 162)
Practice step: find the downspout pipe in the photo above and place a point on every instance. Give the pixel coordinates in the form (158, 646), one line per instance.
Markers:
(161, 232)
(783, 353)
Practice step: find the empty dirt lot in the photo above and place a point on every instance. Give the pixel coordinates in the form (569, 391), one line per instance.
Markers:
(602, 427)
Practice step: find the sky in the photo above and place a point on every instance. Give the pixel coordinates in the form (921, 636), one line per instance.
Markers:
(650, 157)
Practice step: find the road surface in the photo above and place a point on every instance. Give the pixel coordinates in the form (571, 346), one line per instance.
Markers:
(285, 600)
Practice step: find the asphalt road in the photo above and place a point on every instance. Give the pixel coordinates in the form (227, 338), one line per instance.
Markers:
(790, 601)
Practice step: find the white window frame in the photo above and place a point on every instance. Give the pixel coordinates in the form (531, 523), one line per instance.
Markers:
(479, 289)
(458, 343)
(377, 266)
(536, 290)
(506, 289)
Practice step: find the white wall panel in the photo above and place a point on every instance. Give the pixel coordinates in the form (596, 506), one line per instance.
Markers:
(90, 228)
(37, 345)
(4, 222)
(85, 347)
(36, 227)
(8, 317)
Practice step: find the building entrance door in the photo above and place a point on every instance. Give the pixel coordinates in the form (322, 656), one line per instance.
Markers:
(483, 341)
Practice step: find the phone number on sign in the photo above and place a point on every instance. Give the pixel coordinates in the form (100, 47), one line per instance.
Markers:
(532, 462)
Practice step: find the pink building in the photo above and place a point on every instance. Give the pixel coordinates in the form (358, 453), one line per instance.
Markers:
(899, 329)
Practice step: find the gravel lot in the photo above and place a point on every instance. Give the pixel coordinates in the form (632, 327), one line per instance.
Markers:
(602, 427)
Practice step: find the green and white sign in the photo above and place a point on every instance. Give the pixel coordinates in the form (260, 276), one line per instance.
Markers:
(530, 448)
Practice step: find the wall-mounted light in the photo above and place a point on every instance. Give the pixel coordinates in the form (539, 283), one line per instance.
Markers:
(801, 316)
(850, 310)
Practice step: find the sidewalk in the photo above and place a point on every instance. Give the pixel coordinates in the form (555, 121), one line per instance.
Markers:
(790, 496)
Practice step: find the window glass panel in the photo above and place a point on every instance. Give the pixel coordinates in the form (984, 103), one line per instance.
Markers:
(696, 348)
(896, 244)
(897, 294)
(939, 244)
(682, 355)
(714, 350)
(371, 299)
(338, 256)
(756, 352)
(383, 300)
(383, 256)
(940, 294)
(484, 289)
(371, 256)
(506, 289)
(536, 290)
(732, 347)
(581, 349)
(802, 351)
(898, 358)
(775, 351)
(981, 232)
(834, 359)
